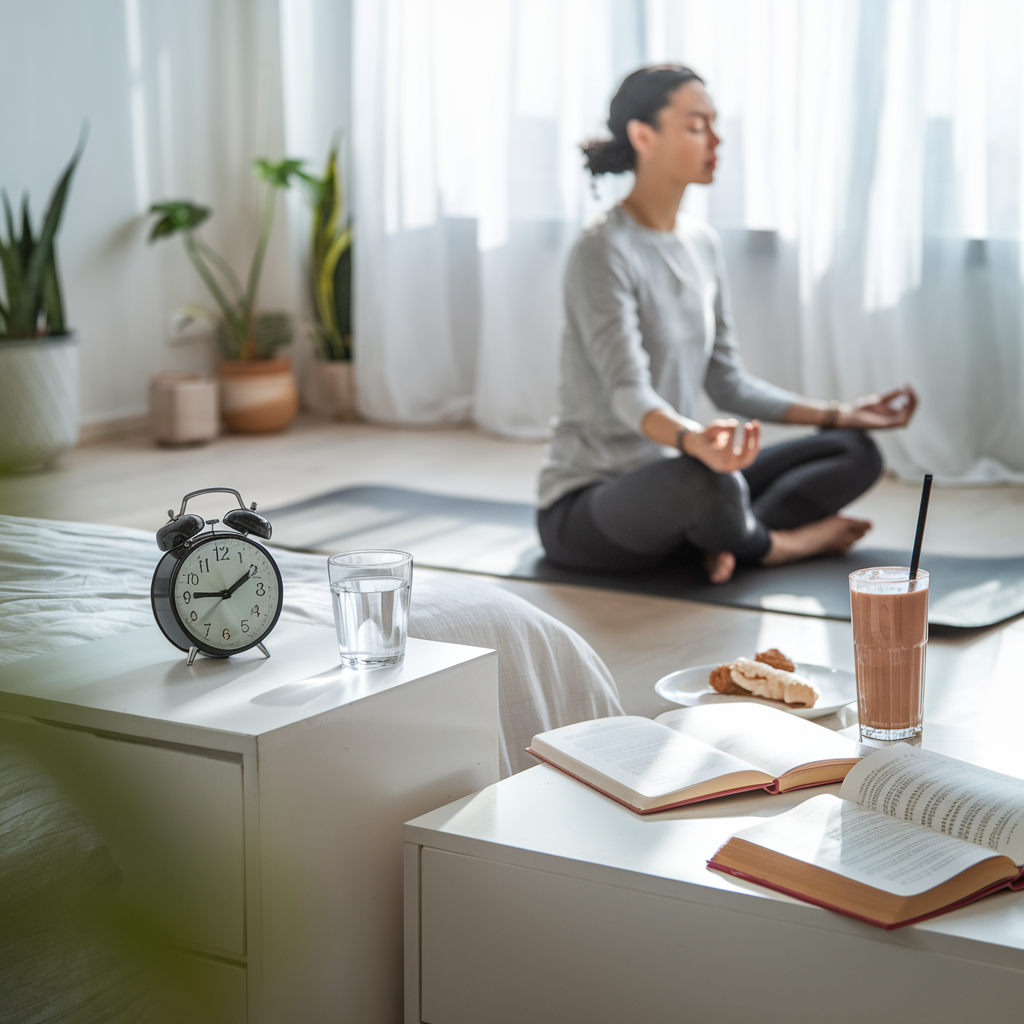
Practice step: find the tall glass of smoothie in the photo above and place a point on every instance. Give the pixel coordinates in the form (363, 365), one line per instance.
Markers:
(890, 634)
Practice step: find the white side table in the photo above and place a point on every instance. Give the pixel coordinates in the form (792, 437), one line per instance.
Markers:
(255, 806)
(540, 900)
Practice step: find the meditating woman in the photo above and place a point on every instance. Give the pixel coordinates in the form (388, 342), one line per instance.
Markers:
(630, 479)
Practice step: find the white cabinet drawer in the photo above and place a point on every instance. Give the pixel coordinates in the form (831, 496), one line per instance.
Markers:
(173, 819)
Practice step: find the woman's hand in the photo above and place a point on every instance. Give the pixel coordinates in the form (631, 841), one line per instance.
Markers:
(879, 412)
(716, 448)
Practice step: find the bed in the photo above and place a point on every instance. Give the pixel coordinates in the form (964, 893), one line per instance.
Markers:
(64, 583)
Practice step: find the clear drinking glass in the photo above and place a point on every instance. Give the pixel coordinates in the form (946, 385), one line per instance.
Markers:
(890, 636)
(370, 594)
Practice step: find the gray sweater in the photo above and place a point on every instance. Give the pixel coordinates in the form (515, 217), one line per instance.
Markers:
(648, 324)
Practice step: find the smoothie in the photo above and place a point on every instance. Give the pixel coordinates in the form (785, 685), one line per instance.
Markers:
(890, 634)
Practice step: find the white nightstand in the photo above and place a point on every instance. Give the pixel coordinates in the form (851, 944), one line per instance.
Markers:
(255, 806)
(541, 900)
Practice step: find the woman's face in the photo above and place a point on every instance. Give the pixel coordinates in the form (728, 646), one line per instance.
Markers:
(682, 148)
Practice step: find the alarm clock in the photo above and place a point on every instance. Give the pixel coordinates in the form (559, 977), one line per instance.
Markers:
(219, 592)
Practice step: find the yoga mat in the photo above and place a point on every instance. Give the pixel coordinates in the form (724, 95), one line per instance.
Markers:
(500, 539)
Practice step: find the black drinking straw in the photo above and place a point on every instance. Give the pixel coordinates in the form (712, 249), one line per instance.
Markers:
(926, 491)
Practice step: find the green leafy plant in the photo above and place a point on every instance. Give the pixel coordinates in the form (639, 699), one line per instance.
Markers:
(331, 269)
(34, 306)
(242, 333)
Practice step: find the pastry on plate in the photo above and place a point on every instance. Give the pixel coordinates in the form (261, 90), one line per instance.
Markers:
(774, 657)
(760, 677)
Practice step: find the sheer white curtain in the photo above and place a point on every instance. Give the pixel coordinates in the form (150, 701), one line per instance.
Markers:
(879, 143)
(468, 191)
(869, 198)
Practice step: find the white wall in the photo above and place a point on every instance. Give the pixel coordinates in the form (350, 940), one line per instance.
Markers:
(180, 95)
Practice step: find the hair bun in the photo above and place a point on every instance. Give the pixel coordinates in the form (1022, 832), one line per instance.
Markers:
(609, 156)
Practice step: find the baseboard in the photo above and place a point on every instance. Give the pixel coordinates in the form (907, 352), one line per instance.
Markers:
(90, 433)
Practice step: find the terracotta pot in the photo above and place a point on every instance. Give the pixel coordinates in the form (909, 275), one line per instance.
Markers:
(257, 395)
(337, 389)
(38, 400)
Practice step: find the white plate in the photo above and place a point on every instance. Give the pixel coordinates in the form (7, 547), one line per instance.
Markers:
(690, 686)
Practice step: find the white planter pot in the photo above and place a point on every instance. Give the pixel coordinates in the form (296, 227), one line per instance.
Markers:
(38, 400)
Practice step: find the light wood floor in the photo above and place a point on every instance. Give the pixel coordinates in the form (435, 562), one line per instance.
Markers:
(127, 481)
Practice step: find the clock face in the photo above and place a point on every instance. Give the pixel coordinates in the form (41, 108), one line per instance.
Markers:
(227, 592)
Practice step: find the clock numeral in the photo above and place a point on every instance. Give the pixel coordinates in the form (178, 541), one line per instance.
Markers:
(207, 625)
(193, 616)
(221, 557)
(259, 590)
(193, 579)
(255, 610)
(186, 597)
(203, 568)
(245, 625)
(252, 568)
(226, 635)
(239, 556)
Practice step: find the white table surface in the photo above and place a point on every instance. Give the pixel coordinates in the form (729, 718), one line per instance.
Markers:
(544, 812)
(141, 674)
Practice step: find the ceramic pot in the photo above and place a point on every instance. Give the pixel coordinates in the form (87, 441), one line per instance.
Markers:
(183, 408)
(257, 395)
(38, 400)
(337, 389)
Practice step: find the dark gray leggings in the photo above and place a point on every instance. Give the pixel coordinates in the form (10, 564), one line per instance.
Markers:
(643, 518)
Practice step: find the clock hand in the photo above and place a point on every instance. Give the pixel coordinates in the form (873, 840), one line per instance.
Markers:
(234, 586)
(211, 593)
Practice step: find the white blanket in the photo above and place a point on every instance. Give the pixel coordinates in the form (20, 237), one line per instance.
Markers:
(68, 583)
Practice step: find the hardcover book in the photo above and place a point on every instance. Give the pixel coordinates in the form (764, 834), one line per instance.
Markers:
(912, 834)
(696, 754)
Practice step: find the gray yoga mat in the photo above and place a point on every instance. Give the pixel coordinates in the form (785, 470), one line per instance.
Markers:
(500, 539)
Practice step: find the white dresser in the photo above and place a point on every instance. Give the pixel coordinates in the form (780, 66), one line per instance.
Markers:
(255, 806)
(541, 900)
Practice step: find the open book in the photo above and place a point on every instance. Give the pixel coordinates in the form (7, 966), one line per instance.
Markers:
(912, 834)
(697, 754)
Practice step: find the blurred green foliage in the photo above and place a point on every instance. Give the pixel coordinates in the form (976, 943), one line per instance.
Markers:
(34, 306)
(242, 333)
(331, 264)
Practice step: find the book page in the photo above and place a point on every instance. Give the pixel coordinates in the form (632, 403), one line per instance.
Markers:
(643, 755)
(848, 840)
(942, 794)
(774, 741)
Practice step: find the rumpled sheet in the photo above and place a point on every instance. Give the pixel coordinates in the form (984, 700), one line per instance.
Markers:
(68, 583)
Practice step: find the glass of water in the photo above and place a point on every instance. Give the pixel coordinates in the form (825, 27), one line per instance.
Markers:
(370, 595)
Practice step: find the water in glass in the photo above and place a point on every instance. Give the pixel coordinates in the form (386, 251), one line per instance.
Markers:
(371, 615)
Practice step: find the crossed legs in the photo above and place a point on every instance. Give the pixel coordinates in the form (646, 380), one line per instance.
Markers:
(782, 508)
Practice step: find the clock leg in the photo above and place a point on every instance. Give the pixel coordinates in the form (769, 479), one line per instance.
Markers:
(192, 652)
(263, 651)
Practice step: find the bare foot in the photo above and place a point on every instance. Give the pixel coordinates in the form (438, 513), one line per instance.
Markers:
(832, 536)
(720, 566)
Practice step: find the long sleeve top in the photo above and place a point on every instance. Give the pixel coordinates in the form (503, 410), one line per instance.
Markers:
(648, 324)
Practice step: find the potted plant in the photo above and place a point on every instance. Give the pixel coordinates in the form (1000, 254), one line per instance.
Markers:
(38, 352)
(258, 392)
(331, 273)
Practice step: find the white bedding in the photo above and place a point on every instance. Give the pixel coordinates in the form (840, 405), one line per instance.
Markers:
(68, 583)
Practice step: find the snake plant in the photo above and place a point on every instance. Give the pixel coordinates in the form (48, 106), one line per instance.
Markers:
(34, 306)
(243, 333)
(331, 259)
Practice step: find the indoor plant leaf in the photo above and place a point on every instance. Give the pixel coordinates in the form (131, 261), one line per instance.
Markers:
(42, 250)
(177, 215)
(278, 173)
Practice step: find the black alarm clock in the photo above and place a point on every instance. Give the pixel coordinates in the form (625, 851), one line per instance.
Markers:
(219, 592)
